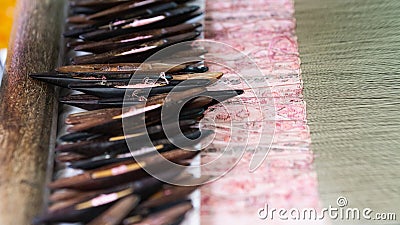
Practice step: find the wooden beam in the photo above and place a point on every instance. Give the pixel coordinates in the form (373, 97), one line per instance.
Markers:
(27, 109)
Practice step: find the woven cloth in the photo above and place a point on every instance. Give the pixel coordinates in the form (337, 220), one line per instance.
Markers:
(264, 30)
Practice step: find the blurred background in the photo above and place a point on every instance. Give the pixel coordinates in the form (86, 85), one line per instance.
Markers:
(6, 18)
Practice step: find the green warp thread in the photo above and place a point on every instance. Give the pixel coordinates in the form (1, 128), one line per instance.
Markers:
(350, 53)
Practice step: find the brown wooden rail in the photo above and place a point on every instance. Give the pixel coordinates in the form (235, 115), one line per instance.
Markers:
(27, 109)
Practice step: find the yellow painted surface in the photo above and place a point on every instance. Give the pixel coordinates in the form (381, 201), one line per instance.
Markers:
(6, 17)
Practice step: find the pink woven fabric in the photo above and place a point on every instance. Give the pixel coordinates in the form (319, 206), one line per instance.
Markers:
(264, 30)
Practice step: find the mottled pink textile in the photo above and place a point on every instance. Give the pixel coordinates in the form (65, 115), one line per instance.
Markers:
(264, 30)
